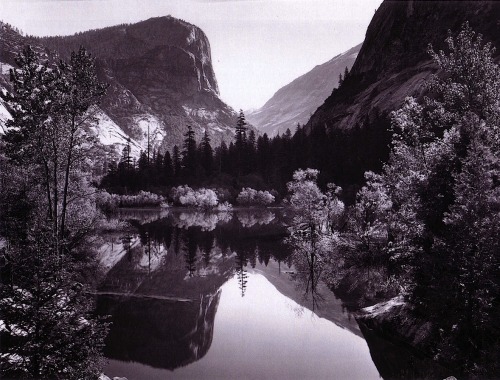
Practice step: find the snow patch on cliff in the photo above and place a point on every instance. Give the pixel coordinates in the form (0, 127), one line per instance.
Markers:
(152, 126)
(5, 68)
(110, 134)
(201, 113)
(4, 116)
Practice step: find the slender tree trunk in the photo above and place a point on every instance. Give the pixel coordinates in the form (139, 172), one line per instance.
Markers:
(47, 189)
(66, 180)
(56, 191)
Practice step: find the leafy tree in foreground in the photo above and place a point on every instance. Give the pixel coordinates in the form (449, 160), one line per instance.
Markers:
(50, 106)
(440, 201)
(313, 223)
(47, 215)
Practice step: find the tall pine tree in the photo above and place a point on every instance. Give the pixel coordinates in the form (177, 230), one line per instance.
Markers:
(189, 153)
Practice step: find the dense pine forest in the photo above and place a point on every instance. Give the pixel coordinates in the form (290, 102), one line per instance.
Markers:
(261, 162)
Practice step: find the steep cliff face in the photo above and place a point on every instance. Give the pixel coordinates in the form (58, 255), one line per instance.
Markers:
(161, 70)
(160, 75)
(393, 62)
(295, 103)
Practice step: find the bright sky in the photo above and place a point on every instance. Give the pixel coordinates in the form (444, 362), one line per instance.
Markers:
(258, 46)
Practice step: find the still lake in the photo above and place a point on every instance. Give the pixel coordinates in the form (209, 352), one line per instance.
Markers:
(195, 295)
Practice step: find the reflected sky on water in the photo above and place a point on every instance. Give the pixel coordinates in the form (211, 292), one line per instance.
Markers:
(190, 298)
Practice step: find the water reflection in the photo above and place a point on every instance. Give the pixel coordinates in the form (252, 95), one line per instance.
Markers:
(206, 220)
(260, 336)
(241, 263)
(159, 332)
(184, 285)
(307, 276)
(249, 218)
(162, 287)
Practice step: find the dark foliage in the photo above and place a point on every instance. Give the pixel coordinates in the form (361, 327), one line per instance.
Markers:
(260, 163)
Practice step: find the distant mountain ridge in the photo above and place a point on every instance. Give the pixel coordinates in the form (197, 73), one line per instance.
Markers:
(295, 103)
(160, 75)
(393, 61)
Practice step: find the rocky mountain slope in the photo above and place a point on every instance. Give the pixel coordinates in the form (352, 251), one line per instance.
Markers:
(393, 61)
(297, 101)
(160, 75)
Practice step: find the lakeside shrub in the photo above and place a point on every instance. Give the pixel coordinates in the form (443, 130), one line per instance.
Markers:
(201, 198)
(111, 202)
(252, 197)
(143, 199)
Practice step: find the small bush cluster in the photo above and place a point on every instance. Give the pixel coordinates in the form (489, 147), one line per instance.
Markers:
(252, 197)
(143, 199)
(201, 198)
(110, 202)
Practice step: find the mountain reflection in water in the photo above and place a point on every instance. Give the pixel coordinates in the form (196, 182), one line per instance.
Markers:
(199, 295)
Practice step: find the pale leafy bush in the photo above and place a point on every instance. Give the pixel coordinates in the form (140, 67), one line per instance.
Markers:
(110, 202)
(143, 199)
(201, 198)
(250, 197)
(177, 192)
(246, 196)
(205, 198)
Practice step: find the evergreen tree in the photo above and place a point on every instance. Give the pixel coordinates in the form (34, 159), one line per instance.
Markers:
(126, 163)
(241, 131)
(49, 314)
(222, 159)
(159, 174)
(207, 154)
(189, 153)
(143, 163)
(168, 168)
(264, 155)
(251, 152)
(240, 143)
(126, 173)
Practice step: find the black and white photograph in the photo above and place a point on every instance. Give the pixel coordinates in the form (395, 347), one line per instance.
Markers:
(249, 189)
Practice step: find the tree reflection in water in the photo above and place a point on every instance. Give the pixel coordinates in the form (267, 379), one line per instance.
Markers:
(191, 251)
(307, 276)
(163, 292)
(251, 217)
(206, 220)
(167, 283)
(241, 271)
